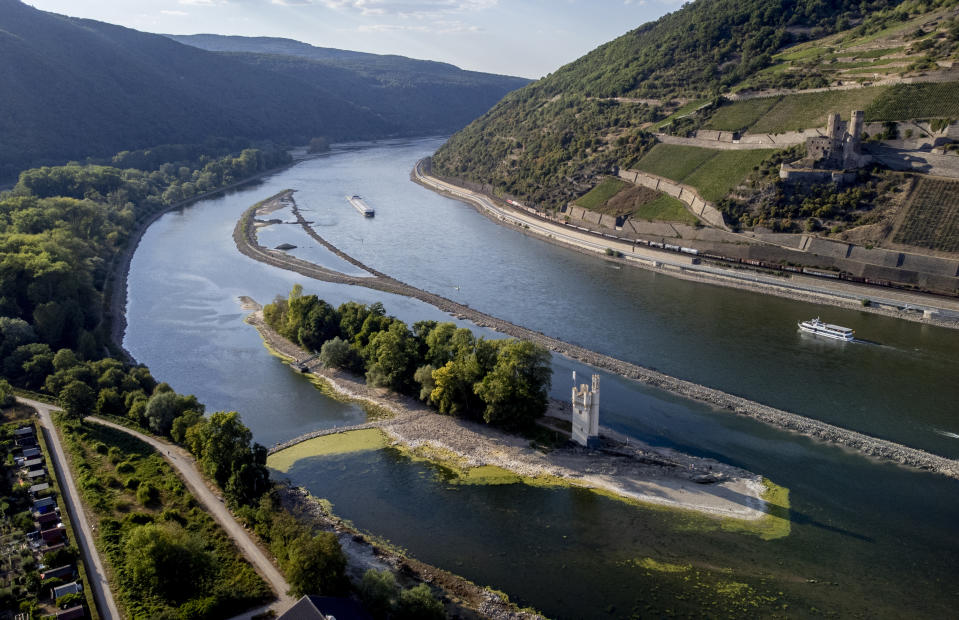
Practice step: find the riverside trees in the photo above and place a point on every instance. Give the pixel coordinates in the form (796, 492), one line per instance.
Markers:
(501, 382)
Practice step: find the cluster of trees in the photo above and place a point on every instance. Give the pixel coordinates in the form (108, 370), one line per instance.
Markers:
(547, 151)
(502, 382)
(60, 228)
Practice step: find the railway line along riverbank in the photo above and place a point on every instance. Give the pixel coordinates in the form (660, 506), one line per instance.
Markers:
(244, 235)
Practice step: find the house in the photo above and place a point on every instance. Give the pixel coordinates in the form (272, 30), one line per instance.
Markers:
(74, 613)
(44, 504)
(312, 607)
(46, 520)
(53, 535)
(66, 571)
(25, 437)
(67, 588)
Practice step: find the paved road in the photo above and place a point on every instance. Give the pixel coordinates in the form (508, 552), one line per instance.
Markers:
(185, 464)
(598, 243)
(84, 533)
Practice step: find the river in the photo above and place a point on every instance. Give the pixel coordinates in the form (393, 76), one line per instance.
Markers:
(883, 535)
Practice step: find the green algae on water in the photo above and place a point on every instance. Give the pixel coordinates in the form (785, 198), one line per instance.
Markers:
(337, 443)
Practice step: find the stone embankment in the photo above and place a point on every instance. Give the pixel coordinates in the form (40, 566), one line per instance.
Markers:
(244, 235)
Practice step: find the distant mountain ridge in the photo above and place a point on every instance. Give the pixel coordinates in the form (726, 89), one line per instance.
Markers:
(74, 88)
(414, 95)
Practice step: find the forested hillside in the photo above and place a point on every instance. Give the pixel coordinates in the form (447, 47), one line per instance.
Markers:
(416, 96)
(76, 88)
(546, 143)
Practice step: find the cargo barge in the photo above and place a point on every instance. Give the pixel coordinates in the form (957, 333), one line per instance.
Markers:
(361, 206)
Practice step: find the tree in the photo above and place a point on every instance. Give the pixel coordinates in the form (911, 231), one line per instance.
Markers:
(392, 358)
(77, 399)
(7, 397)
(109, 402)
(336, 353)
(167, 561)
(316, 565)
(424, 376)
(161, 410)
(516, 391)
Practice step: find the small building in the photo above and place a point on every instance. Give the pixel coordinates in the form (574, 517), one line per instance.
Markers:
(54, 535)
(67, 588)
(33, 464)
(44, 504)
(67, 571)
(46, 520)
(312, 607)
(24, 431)
(35, 473)
(585, 416)
(39, 488)
(31, 453)
(74, 613)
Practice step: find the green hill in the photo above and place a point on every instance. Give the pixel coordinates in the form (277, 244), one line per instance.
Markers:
(74, 88)
(547, 143)
(416, 96)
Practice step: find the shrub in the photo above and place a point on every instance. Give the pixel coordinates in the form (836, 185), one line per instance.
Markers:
(418, 604)
(377, 590)
(126, 467)
(147, 493)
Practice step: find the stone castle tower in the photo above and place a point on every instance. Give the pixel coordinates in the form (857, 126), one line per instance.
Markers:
(586, 413)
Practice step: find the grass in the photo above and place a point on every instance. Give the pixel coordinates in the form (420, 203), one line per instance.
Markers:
(775, 524)
(338, 443)
(713, 173)
(808, 110)
(673, 161)
(666, 209)
(599, 195)
(905, 101)
(682, 111)
(741, 114)
(715, 178)
(110, 467)
(932, 216)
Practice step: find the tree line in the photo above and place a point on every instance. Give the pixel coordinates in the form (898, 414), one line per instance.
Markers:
(500, 382)
(60, 228)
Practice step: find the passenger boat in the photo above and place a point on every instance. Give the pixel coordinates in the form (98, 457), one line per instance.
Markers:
(361, 206)
(836, 332)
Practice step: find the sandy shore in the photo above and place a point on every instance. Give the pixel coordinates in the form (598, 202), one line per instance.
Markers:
(634, 472)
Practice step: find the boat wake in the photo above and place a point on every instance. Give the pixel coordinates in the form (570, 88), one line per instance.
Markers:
(946, 433)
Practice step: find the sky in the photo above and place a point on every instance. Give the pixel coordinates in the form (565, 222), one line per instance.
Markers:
(528, 38)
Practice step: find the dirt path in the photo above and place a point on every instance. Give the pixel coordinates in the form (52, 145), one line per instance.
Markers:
(185, 464)
(94, 565)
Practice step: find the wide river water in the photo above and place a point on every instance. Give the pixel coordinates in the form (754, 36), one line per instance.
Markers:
(867, 538)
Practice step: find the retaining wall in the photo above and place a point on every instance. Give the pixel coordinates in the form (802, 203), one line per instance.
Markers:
(703, 209)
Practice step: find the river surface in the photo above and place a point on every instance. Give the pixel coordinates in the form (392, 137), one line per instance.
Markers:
(867, 538)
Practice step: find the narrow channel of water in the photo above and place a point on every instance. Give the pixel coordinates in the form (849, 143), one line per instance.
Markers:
(883, 534)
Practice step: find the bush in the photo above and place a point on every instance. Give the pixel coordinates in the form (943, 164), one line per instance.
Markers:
(126, 467)
(418, 604)
(6, 393)
(377, 591)
(147, 493)
(336, 353)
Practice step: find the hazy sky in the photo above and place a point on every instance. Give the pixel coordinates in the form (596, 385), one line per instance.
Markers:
(519, 37)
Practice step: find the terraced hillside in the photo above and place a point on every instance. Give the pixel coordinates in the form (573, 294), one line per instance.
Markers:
(548, 143)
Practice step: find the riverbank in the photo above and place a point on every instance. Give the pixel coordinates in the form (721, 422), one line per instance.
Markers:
(244, 235)
(465, 599)
(633, 472)
(115, 291)
(886, 302)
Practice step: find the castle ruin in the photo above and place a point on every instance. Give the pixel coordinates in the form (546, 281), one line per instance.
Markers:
(586, 413)
(831, 157)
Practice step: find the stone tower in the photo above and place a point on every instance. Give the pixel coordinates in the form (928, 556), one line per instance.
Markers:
(586, 413)
(851, 154)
